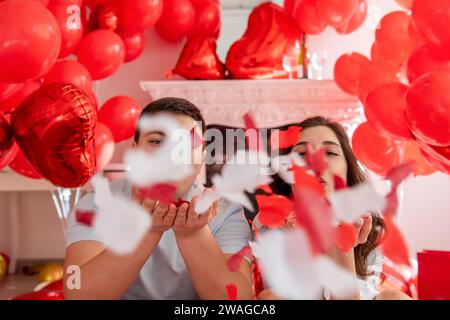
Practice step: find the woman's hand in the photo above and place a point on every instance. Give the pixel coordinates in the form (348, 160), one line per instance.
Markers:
(188, 222)
(363, 227)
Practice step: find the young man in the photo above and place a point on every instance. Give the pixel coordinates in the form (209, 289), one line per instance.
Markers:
(183, 255)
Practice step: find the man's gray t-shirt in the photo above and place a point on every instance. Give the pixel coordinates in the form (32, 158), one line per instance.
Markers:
(165, 275)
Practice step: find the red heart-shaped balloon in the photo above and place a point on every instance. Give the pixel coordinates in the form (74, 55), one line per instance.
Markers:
(54, 128)
(271, 35)
(199, 60)
(6, 137)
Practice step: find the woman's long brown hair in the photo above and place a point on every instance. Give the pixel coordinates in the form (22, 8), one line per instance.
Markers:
(355, 175)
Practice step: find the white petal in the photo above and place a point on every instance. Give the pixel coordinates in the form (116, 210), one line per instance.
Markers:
(206, 201)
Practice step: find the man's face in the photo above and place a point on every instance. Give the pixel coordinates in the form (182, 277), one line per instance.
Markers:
(150, 141)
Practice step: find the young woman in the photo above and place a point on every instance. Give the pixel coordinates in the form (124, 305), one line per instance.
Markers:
(365, 260)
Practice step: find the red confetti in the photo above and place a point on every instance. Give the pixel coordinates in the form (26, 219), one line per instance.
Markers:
(196, 140)
(180, 202)
(235, 260)
(85, 217)
(315, 216)
(231, 291)
(339, 183)
(316, 160)
(285, 139)
(394, 245)
(265, 188)
(305, 180)
(396, 175)
(163, 192)
(274, 210)
(346, 237)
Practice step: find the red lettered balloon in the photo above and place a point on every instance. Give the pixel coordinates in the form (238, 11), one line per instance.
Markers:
(432, 18)
(355, 21)
(102, 52)
(176, 21)
(307, 16)
(30, 40)
(120, 114)
(271, 34)
(393, 32)
(138, 14)
(68, 16)
(134, 44)
(207, 18)
(54, 127)
(424, 60)
(337, 12)
(428, 108)
(21, 165)
(104, 145)
(12, 102)
(347, 70)
(199, 60)
(70, 71)
(374, 151)
(385, 110)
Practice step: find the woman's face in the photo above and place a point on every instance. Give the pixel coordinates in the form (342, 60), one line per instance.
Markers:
(323, 137)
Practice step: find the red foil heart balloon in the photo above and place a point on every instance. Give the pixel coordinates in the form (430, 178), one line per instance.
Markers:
(271, 34)
(6, 141)
(199, 60)
(55, 128)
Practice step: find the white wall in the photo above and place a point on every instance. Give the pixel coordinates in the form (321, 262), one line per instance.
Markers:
(425, 218)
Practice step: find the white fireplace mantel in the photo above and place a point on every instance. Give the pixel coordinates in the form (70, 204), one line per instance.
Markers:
(272, 103)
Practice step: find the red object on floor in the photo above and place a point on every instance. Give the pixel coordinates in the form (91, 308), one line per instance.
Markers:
(434, 275)
(41, 295)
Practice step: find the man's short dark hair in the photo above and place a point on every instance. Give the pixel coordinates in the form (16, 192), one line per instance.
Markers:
(172, 105)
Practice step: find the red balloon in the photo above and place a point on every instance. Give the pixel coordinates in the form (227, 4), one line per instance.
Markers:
(347, 70)
(199, 60)
(428, 108)
(374, 151)
(405, 3)
(8, 89)
(289, 6)
(415, 34)
(381, 62)
(105, 17)
(20, 164)
(42, 295)
(337, 12)
(307, 16)
(30, 40)
(120, 114)
(433, 20)
(44, 2)
(370, 77)
(176, 21)
(55, 286)
(9, 156)
(439, 157)
(68, 16)
(102, 52)
(104, 145)
(54, 127)
(385, 110)
(70, 71)
(355, 21)
(207, 18)
(412, 152)
(11, 103)
(92, 98)
(6, 138)
(424, 60)
(271, 34)
(134, 44)
(94, 3)
(393, 32)
(138, 14)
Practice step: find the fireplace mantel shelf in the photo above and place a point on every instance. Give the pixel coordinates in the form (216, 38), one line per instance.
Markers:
(272, 103)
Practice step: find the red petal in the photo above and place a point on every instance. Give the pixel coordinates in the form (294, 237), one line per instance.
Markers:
(231, 291)
(394, 245)
(235, 260)
(346, 237)
(249, 123)
(285, 139)
(314, 214)
(163, 192)
(274, 210)
(196, 140)
(266, 188)
(339, 183)
(316, 160)
(305, 180)
(85, 217)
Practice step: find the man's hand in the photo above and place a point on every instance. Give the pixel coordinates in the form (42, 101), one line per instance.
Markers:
(189, 222)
